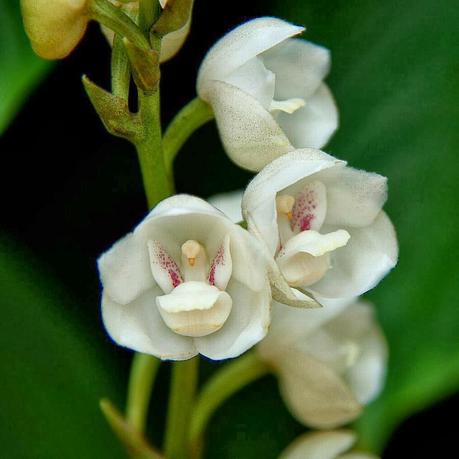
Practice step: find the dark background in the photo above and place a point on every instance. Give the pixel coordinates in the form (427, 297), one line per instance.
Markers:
(69, 191)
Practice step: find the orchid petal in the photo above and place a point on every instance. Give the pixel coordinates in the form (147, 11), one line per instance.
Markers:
(221, 266)
(229, 203)
(320, 445)
(313, 124)
(140, 327)
(124, 270)
(299, 66)
(241, 45)
(370, 254)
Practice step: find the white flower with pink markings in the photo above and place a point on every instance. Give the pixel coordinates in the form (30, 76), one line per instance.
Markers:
(267, 92)
(186, 281)
(322, 223)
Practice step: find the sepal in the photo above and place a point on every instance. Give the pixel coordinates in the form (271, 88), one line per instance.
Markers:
(175, 16)
(113, 111)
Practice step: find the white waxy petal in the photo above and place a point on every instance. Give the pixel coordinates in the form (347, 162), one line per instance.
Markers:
(304, 259)
(163, 267)
(310, 207)
(194, 309)
(252, 140)
(254, 79)
(299, 66)
(313, 392)
(125, 271)
(241, 45)
(320, 445)
(246, 325)
(221, 266)
(229, 203)
(313, 124)
(355, 197)
(194, 261)
(139, 326)
(371, 253)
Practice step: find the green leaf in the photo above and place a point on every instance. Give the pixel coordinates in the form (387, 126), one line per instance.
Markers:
(394, 75)
(53, 374)
(20, 68)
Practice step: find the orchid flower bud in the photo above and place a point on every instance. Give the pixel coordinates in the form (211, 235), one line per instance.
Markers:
(55, 26)
(324, 445)
(329, 361)
(170, 43)
(186, 281)
(267, 92)
(323, 225)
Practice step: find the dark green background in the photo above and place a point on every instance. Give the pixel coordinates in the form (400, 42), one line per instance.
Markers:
(69, 191)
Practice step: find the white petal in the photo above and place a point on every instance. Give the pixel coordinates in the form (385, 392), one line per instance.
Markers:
(180, 204)
(255, 80)
(315, 394)
(125, 269)
(299, 66)
(139, 326)
(194, 309)
(249, 260)
(313, 124)
(320, 445)
(250, 135)
(366, 377)
(229, 203)
(291, 326)
(241, 45)
(188, 297)
(370, 254)
(355, 197)
(163, 267)
(221, 266)
(246, 325)
(259, 201)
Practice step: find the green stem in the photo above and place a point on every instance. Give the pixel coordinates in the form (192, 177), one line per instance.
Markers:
(110, 16)
(143, 372)
(155, 179)
(191, 117)
(183, 387)
(222, 385)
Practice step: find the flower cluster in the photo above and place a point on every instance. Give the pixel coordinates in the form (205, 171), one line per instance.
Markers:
(313, 237)
(190, 280)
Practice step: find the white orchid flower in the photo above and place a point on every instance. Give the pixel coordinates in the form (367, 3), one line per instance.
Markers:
(170, 43)
(267, 92)
(324, 445)
(322, 222)
(329, 361)
(186, 281)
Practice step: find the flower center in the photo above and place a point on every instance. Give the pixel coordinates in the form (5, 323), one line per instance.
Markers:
(195, 301)
(304, 253)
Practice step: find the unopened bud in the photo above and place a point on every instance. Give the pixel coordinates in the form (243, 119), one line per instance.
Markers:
(55, 26)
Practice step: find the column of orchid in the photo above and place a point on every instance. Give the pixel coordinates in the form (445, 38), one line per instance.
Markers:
(280, 296)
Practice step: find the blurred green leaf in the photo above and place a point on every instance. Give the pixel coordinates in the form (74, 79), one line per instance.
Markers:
(395, 77)
(20, 68)
(53, 374)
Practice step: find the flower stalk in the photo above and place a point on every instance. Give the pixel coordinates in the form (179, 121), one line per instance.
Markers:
(183, 388)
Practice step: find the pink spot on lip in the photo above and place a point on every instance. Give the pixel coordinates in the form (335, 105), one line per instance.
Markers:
(303, 210)
(306, 222)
